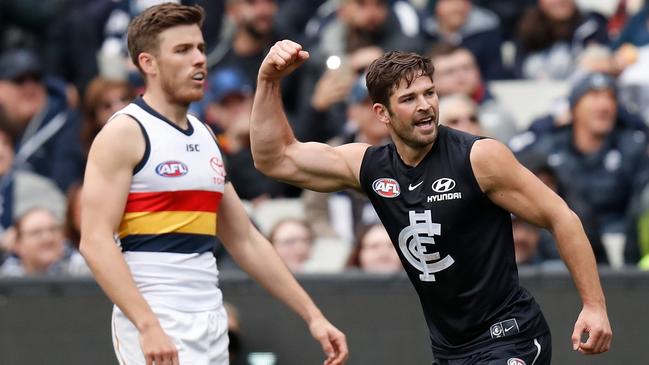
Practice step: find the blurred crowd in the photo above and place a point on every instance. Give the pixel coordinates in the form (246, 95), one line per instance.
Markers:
(64, 70)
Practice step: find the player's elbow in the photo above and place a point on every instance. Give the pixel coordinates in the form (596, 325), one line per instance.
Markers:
(564, 217)
(85, 248)
(270, 167)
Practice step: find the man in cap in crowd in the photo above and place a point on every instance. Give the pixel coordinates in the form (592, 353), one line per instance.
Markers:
(44, 127)
(603, 161)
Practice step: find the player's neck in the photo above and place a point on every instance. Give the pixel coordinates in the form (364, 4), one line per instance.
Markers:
(174, 112)
(412, 155)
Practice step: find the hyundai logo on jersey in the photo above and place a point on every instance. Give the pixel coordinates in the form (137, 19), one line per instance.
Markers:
(443, 185)
(171, 169)
(386, 187)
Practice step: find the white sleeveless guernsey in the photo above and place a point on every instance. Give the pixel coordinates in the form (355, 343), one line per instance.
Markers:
(168, 229)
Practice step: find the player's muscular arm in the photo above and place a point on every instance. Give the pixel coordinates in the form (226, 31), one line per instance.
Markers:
(250, 249)
(115, 152)
(275, 150)
(513, 187)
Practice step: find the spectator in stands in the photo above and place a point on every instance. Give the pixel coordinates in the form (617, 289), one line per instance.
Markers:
(352, 32)
(249, 34)
(45, 129)
(102, 99)
(293, 240)
(594, 59)
(477, 29)
(294, 15)
(456, 71)
(22, 190)
(374, 252)
(508, 11)
(460, 112)
(344, 214)
(39, 248)
(227, 105)
(325, 116)
(636, 30)
(550, 37)
(353, 24)
(538, 164)
(604, 162)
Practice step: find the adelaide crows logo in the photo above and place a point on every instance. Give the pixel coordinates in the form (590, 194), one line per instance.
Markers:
(415, 241)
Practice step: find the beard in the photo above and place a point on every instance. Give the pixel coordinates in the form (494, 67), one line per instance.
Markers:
(178, 94)
(255, 32)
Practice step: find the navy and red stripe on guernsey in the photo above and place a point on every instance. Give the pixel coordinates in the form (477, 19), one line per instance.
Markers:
(169, 226)
(455, 244)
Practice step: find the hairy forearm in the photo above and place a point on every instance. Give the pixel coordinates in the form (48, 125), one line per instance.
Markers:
(578, 255)
(114, 277)
(270, 132)
(273, 275)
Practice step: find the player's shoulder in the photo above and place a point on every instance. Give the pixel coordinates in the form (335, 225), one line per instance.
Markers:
(121, 137)
(490, 155)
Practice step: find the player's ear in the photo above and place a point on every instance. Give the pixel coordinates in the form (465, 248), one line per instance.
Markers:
(148, 63)
(382, 113)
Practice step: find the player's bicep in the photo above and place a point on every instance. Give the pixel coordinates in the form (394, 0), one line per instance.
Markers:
(320, 167)
(112, 158)
(511, 186)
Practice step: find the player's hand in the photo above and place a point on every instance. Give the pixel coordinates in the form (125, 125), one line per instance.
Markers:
(284, 57)
(592, 321)
(333, 342)
(157, 347)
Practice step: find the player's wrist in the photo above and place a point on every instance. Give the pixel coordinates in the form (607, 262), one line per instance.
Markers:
(147, 323)
(595, 304)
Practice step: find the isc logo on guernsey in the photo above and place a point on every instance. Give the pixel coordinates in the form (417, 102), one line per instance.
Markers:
(171, 169)
(386, 187)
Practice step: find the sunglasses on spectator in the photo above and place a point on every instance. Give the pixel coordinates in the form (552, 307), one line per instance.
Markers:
(471, 118)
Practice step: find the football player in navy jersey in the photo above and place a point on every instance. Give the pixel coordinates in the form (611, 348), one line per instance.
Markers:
(445, 198)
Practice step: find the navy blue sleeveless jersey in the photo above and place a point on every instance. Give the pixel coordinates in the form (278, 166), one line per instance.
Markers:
(455, 244)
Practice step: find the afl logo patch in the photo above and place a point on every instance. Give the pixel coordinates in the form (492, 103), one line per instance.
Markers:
(386, 187)
(443, 185)
(515, 361)
(171, 169)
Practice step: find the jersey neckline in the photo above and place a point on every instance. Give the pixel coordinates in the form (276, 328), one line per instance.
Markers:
(139, 101)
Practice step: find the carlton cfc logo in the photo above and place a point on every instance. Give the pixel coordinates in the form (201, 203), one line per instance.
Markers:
(386, 187)
(171, 169)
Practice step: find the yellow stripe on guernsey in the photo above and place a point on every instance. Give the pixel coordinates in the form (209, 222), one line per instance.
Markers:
(168, 222)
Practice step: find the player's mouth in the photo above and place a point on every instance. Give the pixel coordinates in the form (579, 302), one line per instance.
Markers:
(199, 76)
(425, 123)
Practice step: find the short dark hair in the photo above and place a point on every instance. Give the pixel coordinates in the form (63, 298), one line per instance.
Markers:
(144, 29)
(385, 73)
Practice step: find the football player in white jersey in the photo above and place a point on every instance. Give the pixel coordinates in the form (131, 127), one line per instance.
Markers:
(167, 46)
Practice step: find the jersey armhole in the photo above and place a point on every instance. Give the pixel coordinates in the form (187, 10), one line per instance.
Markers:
(470, 173)
(362, 176)
(147, 147)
